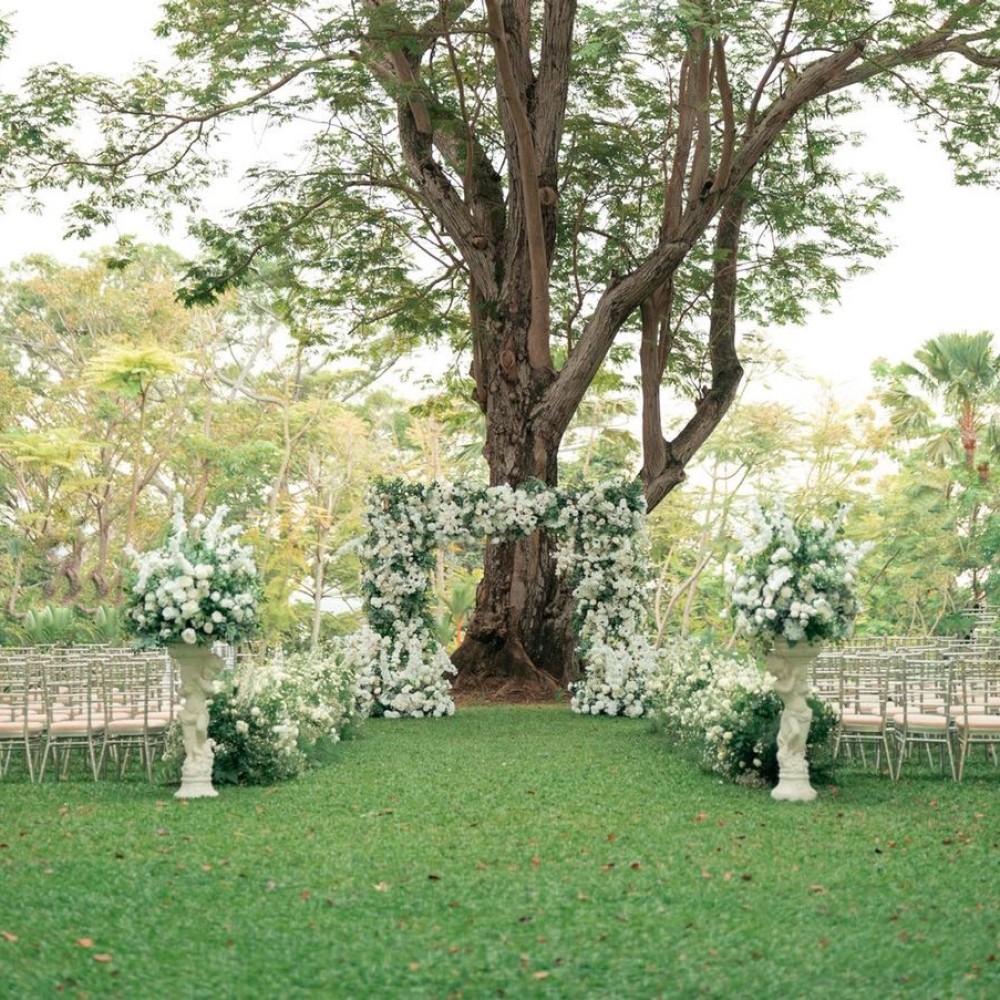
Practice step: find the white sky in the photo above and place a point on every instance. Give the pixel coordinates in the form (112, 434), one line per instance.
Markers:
(940, 278)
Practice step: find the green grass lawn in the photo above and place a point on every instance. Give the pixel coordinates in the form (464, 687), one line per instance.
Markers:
(505, 852)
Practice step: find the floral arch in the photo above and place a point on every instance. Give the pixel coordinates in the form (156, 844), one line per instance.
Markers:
(601, 551)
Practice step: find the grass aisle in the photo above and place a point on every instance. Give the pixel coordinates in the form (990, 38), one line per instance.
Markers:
(513, 852)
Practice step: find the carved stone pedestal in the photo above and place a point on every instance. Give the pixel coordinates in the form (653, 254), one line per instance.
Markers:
(790, 666)
(199, 667)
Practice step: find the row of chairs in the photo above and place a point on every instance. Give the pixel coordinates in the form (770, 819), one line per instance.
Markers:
(939, 697)
(105, 702)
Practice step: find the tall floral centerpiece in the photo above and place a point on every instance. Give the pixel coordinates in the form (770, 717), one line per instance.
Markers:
(199, 588)
(795, 587)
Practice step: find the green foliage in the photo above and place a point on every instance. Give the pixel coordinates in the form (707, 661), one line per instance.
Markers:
(273, 717)
(252, 755)
(941, 508)
(347, 232)
(50, 625)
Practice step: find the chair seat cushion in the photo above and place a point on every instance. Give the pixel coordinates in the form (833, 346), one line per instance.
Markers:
(76, 727)
(979, 723)
(868, 723)
(31, 728)
(923, 721)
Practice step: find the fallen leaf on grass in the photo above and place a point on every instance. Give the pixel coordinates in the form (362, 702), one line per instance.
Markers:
(541, 974)
(818, 890)
(102, 956)
(701, 817)
(382, 887)
(85, 942)
(7, 936)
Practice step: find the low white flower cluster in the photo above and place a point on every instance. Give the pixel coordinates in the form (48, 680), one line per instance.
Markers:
(406, 669)
(200, 587)
(795, 579)
(273, 716)
(709, 697)
(319, 689)
(404, 674)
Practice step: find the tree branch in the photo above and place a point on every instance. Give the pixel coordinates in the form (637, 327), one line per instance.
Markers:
(539, 350)
(713, 405)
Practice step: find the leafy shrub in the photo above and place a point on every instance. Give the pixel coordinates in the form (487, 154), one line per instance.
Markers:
(723, 706)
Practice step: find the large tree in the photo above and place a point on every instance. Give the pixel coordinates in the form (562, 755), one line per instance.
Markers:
(596, 182)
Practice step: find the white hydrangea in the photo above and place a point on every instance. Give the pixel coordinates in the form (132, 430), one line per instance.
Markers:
(171, 598)
(795, 580)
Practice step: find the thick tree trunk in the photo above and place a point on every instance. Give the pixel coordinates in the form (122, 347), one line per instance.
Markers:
(519, 641)
(519, 644)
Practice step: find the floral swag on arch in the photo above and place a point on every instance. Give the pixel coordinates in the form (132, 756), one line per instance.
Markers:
(601, 552)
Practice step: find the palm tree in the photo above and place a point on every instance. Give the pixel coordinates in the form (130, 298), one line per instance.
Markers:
(961, 371)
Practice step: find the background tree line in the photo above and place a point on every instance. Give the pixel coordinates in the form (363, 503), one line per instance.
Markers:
(113, 397)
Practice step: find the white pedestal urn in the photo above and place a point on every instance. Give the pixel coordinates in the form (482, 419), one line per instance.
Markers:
(790, 665)
(199, 668)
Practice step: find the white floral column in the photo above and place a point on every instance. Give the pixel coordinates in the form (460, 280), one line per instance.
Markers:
(603, 556)
(405, 669)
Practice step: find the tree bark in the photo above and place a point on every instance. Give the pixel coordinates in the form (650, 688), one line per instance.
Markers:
(519, 641)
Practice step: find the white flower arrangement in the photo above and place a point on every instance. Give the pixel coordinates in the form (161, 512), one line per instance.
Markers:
(200, 587)
(600, 553)
(796, 579)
